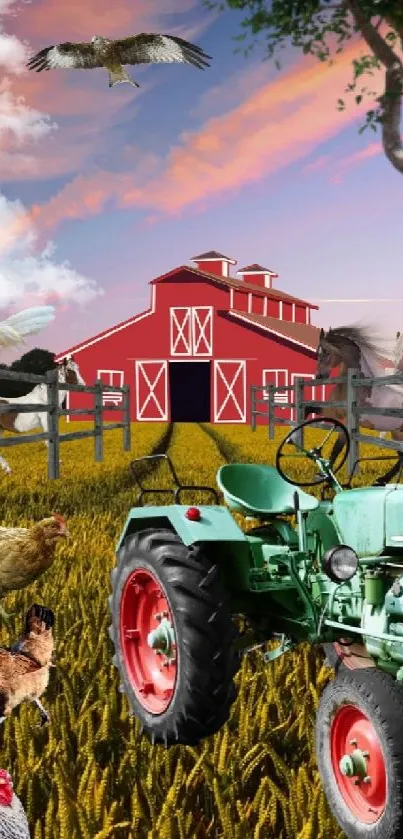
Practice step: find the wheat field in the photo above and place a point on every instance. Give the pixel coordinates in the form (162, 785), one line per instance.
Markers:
(90, 774)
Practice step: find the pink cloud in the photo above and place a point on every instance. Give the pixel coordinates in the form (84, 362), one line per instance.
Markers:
(320, 163)
(355, 159)
(277, 125)
(80, 100)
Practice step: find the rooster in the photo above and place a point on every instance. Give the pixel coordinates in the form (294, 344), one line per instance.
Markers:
(13, 821)
(24, 668)
(26, 553)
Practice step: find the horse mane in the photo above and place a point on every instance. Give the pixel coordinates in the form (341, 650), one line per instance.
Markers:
(361, 336)
(35, 361)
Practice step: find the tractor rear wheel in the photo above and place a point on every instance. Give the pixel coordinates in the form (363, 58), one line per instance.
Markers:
(173, 637)
(359, 750)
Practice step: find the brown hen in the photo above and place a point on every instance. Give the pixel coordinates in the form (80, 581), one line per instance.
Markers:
(24, 667)
(27, 552)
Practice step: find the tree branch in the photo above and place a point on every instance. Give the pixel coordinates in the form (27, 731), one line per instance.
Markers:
(392, 115)
(381, 50)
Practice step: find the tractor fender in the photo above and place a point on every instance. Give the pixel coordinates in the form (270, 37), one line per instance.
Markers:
(225, 542)
(216, 523)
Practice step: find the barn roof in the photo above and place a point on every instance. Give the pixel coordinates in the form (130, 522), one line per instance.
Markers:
(213, 255)
(229, 282)
(303, 334)
(232, 282)
(256, 269)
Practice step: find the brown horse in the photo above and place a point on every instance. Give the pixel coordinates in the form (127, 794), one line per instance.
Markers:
(351, 347)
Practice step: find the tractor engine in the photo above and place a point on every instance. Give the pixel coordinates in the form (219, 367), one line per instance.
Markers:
(383, 615)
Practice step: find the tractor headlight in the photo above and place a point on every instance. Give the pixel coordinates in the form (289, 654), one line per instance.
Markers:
(340, 563)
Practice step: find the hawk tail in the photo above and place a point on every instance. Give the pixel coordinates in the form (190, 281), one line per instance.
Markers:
(120, 77)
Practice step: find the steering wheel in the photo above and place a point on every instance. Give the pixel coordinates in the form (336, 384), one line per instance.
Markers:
(318, 459)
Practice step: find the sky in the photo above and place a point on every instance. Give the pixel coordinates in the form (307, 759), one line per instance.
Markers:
(101, 190)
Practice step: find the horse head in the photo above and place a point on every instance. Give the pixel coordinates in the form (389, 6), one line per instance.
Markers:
(69, 372)
(337, 346)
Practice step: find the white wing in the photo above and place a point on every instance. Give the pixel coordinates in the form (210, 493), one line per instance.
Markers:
(28, 322)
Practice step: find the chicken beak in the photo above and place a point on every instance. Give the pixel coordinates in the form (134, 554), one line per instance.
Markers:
(64, 532)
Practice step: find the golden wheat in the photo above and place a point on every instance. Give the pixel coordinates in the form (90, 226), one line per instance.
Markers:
(90, 773)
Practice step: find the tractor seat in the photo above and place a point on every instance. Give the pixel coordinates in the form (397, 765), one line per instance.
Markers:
(258, 490)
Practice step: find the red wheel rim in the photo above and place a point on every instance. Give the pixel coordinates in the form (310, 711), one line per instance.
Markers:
(152, 675)
(352, 731)
(353, 656)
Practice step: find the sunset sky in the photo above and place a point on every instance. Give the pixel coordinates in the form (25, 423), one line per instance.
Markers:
(102, 190)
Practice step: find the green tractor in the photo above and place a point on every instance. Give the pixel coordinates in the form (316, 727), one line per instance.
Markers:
(326, 572)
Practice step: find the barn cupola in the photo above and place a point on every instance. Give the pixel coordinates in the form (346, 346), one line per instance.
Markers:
(214, 262)
(257, 275)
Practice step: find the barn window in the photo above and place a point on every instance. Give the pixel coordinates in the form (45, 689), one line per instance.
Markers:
(278, 378)
(113, 378)
(311, 392)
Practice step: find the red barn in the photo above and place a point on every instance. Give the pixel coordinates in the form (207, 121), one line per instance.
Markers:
(206, 338)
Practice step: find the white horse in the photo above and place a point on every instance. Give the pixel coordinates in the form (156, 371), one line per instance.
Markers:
(68, 373)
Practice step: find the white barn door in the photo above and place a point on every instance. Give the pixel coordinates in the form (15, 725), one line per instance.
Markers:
(181, 330)
(151, 390)
(191, 331)
(202, 330)
(229, 391)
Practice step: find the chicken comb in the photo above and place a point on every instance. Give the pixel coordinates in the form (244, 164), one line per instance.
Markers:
(59, 518)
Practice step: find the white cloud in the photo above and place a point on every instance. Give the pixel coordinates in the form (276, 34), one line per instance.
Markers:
(13, 53)
(19, 122)
(5, 6)
(27, 273)
(24, 273)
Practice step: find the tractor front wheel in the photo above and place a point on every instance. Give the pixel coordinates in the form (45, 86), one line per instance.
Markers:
(173, 637)
(359, 750)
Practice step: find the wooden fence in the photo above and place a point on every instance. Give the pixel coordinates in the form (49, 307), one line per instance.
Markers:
(54, 412)
(272, 408)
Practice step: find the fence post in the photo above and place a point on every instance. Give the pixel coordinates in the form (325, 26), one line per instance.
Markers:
(253, 407)
(98, 421)
(299, 408)
(52, 390)
(127, 444)
(352, 418)
(271, 408)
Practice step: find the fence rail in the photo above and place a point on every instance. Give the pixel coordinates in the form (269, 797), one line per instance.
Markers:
(354, 380)
(52, 436)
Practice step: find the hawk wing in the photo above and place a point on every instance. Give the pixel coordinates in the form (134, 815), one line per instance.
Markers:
(157, 49)
(68, 56)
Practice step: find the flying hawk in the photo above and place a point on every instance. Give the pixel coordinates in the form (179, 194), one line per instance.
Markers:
(102, 52)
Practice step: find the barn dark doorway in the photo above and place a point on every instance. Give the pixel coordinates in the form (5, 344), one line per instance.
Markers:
(189, 391)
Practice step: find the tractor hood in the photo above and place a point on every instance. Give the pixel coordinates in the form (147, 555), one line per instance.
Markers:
(370, 519)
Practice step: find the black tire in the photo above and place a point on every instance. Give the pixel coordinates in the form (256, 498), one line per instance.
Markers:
(332, 658)
(380, 698)
(207, 661)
